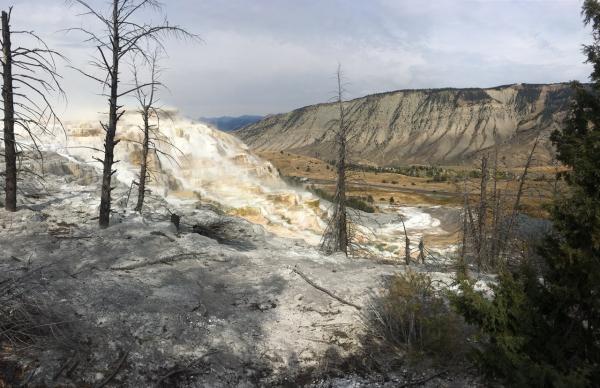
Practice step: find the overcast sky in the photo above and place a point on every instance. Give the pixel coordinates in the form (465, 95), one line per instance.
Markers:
(271, 56)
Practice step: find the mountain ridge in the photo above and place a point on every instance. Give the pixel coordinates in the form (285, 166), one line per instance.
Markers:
(424, 126)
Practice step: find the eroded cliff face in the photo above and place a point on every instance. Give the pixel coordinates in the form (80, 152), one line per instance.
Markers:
(432, 126)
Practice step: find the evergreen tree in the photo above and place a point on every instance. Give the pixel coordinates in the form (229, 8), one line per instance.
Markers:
(542, 326)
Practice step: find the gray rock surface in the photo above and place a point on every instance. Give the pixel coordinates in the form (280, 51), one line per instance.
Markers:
(180, 308)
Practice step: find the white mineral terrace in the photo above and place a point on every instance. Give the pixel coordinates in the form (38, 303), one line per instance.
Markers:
(210, 165)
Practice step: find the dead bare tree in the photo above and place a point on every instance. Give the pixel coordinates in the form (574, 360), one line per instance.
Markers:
(29, 75)
(517, 204)
(483, 206)
(335, 236)
(147, 104)
(496, 201)
(491, 241)
(122, 36)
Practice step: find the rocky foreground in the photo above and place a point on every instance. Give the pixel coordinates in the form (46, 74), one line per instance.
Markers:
(216, 303)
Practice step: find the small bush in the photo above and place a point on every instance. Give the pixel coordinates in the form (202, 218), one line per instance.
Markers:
(321, 193)
(359, 204)
(412, 318)
(29, 317)
(353, 202)
(218, 229)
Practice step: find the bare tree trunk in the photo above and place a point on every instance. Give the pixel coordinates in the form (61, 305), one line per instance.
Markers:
(10, 154)
(407, 250)
(516, 207)
(495, 232)
(341, 221)
(335, 237)
(144, 161)
(461, 265)
(406, 243)
(111, 129)
(482, 211)
(120, 37)
(146, 101)
(25, 98)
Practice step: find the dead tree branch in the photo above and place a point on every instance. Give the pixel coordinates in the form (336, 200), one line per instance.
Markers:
(29, 76)
(331, 294)
(122, 37)
(335, 236)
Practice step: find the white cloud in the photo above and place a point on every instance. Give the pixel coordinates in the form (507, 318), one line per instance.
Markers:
(266, 56)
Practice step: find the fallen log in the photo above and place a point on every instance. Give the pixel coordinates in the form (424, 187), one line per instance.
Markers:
(331, 294)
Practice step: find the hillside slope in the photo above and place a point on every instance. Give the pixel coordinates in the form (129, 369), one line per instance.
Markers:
(430, 126)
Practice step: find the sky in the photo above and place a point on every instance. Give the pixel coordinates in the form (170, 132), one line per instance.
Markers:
(272, 56)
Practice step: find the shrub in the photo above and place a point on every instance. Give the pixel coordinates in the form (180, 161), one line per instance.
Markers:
(321, 193)
(353, 202)
(542, 323)
(29, 317)
(359, 204)
(412, 317)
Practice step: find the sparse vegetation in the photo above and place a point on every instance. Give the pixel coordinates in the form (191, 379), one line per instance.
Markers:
(352, 202)
(541, 323)
(228, 258)
(433, 173)
(28, 317)
(413, 319)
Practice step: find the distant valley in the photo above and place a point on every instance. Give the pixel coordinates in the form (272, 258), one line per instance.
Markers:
(230, 123)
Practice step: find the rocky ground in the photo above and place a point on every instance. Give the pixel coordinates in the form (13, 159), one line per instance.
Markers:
(216, 303)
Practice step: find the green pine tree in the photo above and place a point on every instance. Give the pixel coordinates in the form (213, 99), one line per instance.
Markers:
(541, 328)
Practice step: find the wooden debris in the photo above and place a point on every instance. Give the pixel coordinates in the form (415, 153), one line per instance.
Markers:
(303, 276)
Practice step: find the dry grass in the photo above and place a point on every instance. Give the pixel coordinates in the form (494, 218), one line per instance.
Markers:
(416, 190)
(28, 318)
